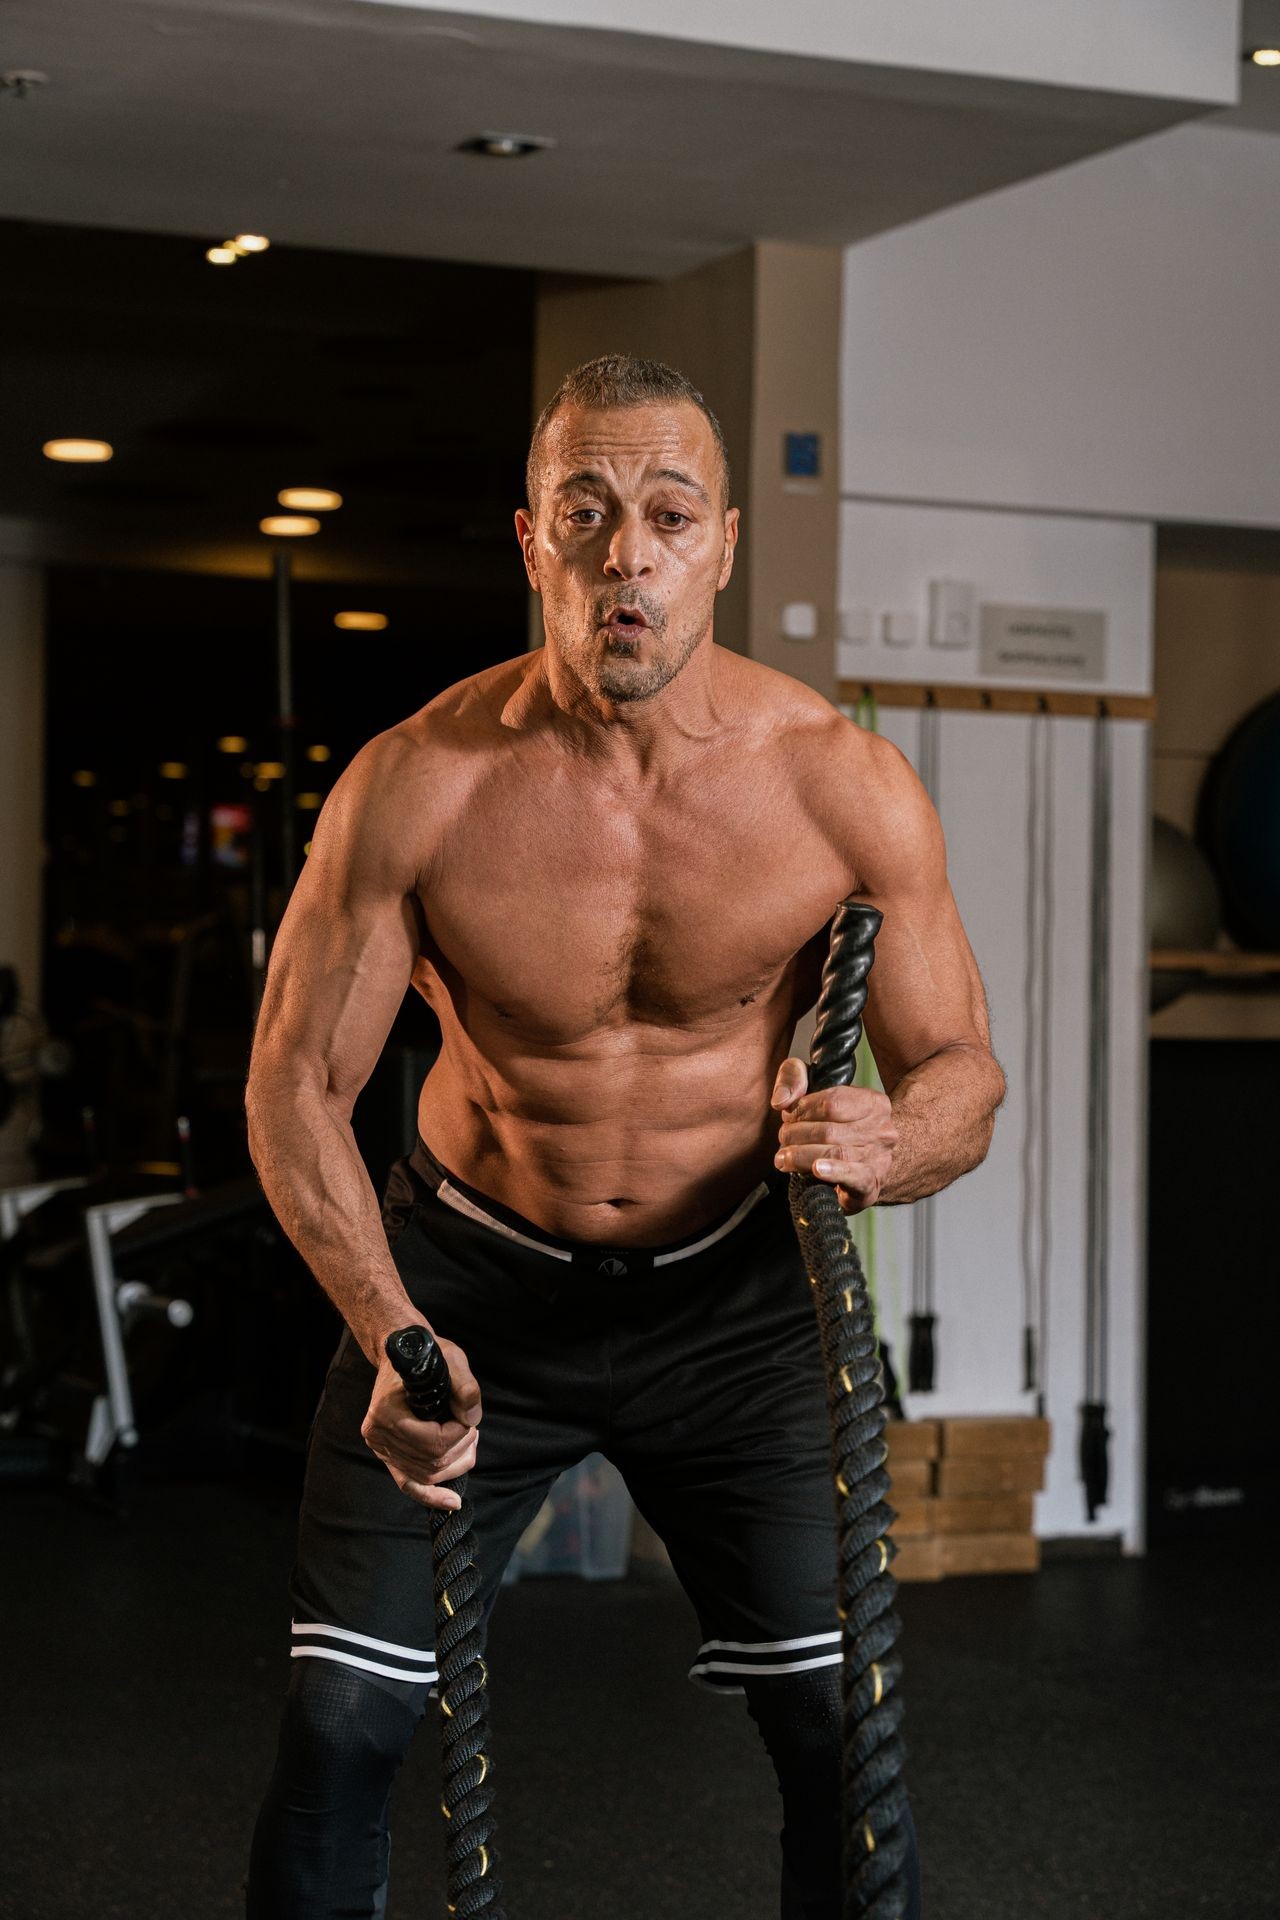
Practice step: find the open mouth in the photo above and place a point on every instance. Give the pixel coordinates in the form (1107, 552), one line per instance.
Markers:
(626, 620)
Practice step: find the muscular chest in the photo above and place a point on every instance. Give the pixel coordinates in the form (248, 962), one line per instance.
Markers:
(570, 908)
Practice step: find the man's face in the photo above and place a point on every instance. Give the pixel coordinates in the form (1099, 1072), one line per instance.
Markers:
(630, 544)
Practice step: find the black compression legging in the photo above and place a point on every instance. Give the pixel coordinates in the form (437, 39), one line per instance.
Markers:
(321, 1848)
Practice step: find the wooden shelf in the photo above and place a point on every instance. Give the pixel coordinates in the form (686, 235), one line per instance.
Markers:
(1223, 966)
(964, 699)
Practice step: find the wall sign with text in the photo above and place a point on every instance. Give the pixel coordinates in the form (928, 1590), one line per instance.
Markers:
(1028, 643)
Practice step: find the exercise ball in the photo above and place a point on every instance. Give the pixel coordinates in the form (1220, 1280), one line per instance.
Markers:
(1182, 905)
(1239, 826)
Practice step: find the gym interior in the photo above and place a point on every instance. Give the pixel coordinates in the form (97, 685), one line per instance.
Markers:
(988, 316)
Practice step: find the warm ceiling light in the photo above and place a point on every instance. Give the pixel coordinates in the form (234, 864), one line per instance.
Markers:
(313, 499)
(1264, 56)
(310, 802)
(252, 242)
(505, 146)
(119, 809)
(221, 256)
(360, 622)
(83, 778)
(84, 452)
(306, 847)
(270, 769)
(233, 743)
(173, 770)
(288, 525)
(319, 753)
(260, 785)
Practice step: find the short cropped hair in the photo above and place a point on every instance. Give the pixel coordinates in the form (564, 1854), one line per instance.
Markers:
(620, 380)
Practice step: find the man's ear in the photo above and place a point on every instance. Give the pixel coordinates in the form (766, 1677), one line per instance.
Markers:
(524, 534)
(730, 546)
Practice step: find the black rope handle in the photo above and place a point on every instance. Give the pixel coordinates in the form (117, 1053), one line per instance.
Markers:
(874, 1839)
(467, 1804)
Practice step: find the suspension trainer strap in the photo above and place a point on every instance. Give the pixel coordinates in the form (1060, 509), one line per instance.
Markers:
(874, 1837)
(467, 1802)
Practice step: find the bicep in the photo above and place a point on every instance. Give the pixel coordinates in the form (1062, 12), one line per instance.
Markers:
(343, 957)
(925, 992)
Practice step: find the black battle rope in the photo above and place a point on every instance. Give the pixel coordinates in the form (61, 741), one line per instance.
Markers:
(874, 1839)
(922, 1352)
(467, 1804)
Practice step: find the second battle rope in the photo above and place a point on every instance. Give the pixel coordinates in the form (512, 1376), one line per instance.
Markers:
(874, 1839)
(467, 1804)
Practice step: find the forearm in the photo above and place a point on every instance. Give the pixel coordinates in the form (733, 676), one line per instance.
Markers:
(312, 1174)
(944, 1111)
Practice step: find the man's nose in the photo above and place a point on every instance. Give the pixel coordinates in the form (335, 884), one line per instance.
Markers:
(630, 554)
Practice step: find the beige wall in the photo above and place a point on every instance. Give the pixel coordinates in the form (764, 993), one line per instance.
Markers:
(758, 333)
(1217, 655)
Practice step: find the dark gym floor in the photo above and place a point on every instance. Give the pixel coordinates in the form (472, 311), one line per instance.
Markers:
(1095, 1741)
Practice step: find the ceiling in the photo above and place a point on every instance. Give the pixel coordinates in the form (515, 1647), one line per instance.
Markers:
(334, 124)
(403, 384)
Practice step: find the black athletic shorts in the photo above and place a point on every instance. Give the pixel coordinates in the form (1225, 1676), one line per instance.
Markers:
(694, 1367)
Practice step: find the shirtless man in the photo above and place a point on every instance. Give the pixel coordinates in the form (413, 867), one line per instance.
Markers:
(609, 867)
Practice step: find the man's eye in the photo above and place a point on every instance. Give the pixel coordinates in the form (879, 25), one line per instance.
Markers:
(669, 514)
(578, 512)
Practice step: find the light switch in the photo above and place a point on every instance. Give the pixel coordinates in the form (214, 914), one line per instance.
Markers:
(800, 620)
(900, 629)
(953, 613)
(855, 625)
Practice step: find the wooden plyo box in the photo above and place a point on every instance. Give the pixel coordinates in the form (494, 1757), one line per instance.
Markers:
(993, 1436)
(962, 1487)
(912, 1440)
(993, 1473)
(980, 1513)
(909, 1480)
(987, 1552)
(918, 1559)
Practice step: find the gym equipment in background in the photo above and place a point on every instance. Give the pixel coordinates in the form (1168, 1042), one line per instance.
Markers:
(1037, 1060)
(1183, 910)
(1094, 1432)
(922, 1349)
(875, 1842)
(1238, 825)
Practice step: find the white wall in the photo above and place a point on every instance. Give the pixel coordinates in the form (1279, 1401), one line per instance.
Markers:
(889, 553)
(1100, 340)
(1181, 49)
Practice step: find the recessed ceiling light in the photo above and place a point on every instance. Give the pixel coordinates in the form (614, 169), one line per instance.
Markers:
(288, 526)
(173, 770)
(310, 802)
(360, 622)
(84, 452)
(319, 753)
(251, 242)
(314, 499)
(233, 743)
(1264, 56)
(270, 769)
(84, 777)
(221, 256)
(506, 146)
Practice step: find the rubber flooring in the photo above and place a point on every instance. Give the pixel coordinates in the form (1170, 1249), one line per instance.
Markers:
(1098, 1740)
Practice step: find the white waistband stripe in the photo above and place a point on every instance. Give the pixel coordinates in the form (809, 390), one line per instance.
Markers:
(682, 1253)
(364, 1640)
(460, 1204)
(447, 1192)
(365, 1666)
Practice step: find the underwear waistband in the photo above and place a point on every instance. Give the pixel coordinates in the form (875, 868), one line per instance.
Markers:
(614, 1260)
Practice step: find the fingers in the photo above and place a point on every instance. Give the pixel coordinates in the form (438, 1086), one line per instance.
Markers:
(791, 1081)
(436, 1499)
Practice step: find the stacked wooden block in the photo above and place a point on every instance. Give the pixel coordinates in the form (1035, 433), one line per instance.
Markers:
(964, 1490)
